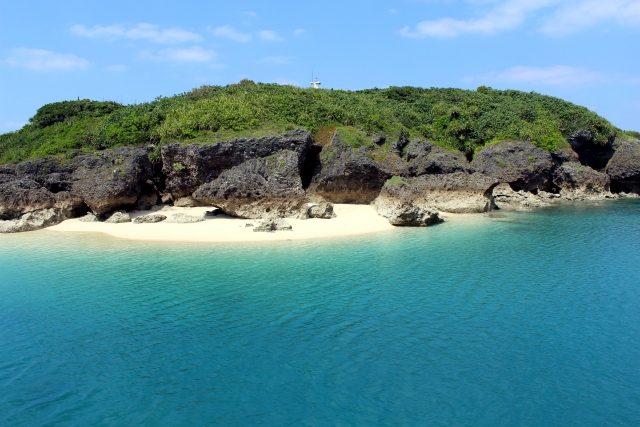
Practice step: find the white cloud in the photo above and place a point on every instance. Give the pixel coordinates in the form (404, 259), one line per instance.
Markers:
(231, 33)
(299, 32)
(392, 11)
(45, 60)
(192, 54)
(559, 75)
(506, 15)
(269, 36)
(578, 15)
(150, 32)
(564, 16)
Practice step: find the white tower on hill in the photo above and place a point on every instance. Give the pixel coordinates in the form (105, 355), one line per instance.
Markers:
(315, 83)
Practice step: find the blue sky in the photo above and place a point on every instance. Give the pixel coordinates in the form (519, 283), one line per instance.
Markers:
(585, 51)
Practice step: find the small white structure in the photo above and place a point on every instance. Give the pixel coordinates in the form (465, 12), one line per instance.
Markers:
(315, 83)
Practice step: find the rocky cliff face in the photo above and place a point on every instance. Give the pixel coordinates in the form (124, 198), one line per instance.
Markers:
(624, 167)
(580, 182)
(520, 164)
(267, 187)
(590, 154)
(98, 182)
(413, 201)
(275, 177)
(424, 158)
(187, 167)
(399, 204)
(349, 175)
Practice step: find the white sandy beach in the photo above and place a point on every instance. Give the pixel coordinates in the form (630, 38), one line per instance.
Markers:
(350, 220)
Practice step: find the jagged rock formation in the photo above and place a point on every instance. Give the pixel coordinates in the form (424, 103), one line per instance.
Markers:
(457, 192)
(98, 182)
(31, 221)
(624, 167)
(399, 205)
(590, 154)
(181, 218)
(351, 175)
(322, 210)
(506, 198)
(187, 167)
(276, 177)
(268, 187)
(270, 226)
(520, 164)
(119, 218)
(579, 182)
(89, 218)
(424, 158)
(149, 219)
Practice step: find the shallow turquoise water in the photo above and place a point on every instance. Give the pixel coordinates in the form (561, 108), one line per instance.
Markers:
(528, 319)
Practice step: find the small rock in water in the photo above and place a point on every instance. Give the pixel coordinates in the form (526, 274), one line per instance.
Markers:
(149, 219)
(181, 218)
(89, 218)
(248, 224)
(119, 218)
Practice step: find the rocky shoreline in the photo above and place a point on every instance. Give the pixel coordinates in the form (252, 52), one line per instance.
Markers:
(409, 182)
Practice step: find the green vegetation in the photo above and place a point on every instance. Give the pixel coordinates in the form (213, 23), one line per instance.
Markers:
(66, 111)
(178, 166)
(353, 137)
(628, 135)
(453, 118)
(396, 180)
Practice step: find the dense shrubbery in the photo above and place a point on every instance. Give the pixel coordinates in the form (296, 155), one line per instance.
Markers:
(464, 120)
(65, 111)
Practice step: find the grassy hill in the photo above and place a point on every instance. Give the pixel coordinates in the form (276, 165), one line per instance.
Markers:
(454, 118)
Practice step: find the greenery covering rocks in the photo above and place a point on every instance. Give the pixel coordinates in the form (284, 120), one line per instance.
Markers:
(396, 180)
(453, 118)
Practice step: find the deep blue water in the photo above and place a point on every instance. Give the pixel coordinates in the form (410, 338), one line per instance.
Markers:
(526, 319)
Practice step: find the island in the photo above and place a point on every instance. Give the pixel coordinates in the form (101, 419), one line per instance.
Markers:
(266, 153)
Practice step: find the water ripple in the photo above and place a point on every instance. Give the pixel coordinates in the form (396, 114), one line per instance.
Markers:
(522, 319)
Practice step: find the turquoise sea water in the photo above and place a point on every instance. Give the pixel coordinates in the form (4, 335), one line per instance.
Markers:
(523, 319)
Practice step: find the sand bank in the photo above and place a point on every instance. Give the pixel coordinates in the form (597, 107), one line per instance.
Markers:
(350, 220)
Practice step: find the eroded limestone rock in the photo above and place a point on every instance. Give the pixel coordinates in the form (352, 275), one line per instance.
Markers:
(118, 218)
(322, 210)
(272, 225)
(32, 221)
(181, 218)
(267, 187)
(149, 219)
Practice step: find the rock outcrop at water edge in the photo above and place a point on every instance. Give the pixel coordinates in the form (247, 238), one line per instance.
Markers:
(268, 187)
(31, 221)
(579, 182)
(624, 167)
(520, 164)
(99, 182)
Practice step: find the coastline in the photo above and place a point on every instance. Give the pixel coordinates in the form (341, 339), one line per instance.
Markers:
(351, 220)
